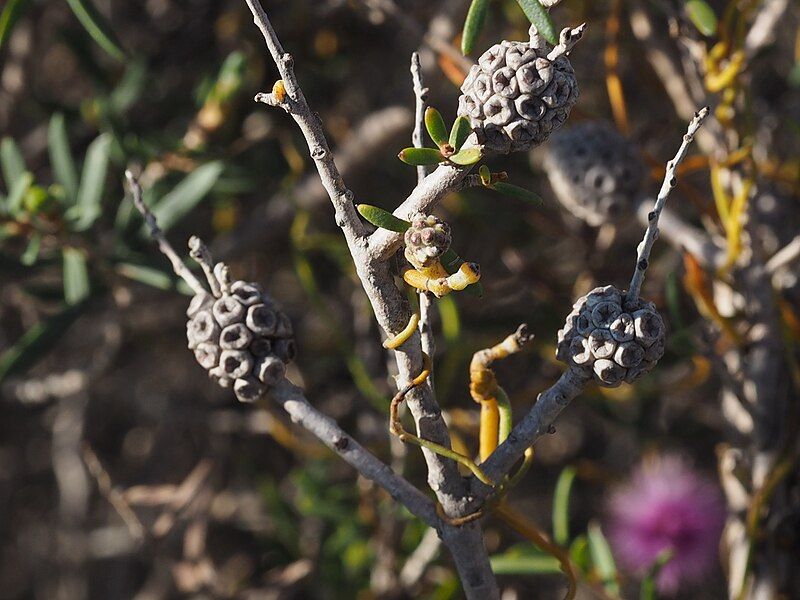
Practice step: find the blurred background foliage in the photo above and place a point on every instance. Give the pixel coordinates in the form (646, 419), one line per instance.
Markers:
(127, 474)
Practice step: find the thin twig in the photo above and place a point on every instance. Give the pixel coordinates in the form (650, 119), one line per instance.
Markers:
(784, 257)
(181, 270)
(670, 181)
(421, 103)
(294, 402)
(426, 305)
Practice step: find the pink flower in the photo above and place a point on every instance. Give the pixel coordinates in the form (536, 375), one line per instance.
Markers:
(666, 505)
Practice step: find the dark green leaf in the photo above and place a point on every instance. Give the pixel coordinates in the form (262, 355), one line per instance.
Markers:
(76, 276)
(37, 341)
(187, 194)
(11, 162)
(8, 18)
(434, 123)
(517, 192)
(602, 559)
(61, 157)
(460, 132)
(93, 180)
(538, 15)
(476, 16)
(97, 26)
(147, 275)
(382, 218)
(561, 506)
(466, 157)
(703, 16)
(421, 156)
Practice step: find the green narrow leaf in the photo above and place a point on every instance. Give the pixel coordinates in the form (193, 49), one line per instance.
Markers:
(97, 26)
(538, 564)
(382, 218)
(702, 16)
(517, 192)
(130, 87)
(539, 16)
(37, 341)
(61, 157)
(93, 180)
(187, 194)
(561, 506)
(421, 156)
(11, 162)
(460, 132)
(648, 589)
(579, 553)
(143, 274)
(602, 559)
(434, 123)
(76, 276)
(451, 322)
(12, 11)
(16, 196)
(466, 157)
(473, 25)
(31, 254)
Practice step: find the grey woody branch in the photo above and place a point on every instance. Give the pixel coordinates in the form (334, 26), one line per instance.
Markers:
(294, 402)
(392, 312)
(670, 181)
(181, 270)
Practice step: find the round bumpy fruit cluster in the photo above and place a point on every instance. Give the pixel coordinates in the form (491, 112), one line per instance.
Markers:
(596, 173)
(520, 92)
(426, 240)
(615, 339)
(241, 338)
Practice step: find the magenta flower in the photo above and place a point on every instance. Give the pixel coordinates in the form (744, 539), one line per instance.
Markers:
(666, 505)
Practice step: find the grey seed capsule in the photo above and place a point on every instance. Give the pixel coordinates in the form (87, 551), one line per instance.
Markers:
(608, 372)
(604, 313)
(207, 355)
(649, 326)
(246, 293)
(504, 83)
(228, 310)
(219, 375)
(629, 354)
(580, 351)
(260, 347)
(285, 349)
(199, 302)
(202, 328)
(248, 389)
(261, 319)
(493, 58)
(498, 110)
(529, 81)
(270, 370)
(235, 337)
(530, 107)
(622, 328)
(236, 363)
(602, 344)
